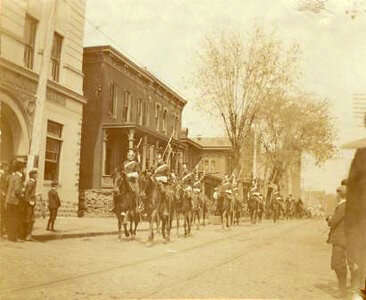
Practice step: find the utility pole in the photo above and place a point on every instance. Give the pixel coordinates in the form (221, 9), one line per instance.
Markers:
(48, 24)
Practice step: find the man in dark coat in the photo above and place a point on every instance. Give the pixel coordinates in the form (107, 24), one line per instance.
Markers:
(53, 204)
(28, 205)
(4, 183)
(337, 237)
(13, 198)
(356, 219)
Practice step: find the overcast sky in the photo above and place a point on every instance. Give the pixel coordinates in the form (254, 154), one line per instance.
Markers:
(163, 35)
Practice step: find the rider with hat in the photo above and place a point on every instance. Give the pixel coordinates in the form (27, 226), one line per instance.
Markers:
(161, 174)
(187, 182)
(132, 170)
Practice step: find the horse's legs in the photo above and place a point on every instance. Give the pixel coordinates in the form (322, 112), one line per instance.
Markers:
(203, 215)
(185, 223)
(198, 219)
(177, 216)
(163, 226)
(151, 226)
(119, 219)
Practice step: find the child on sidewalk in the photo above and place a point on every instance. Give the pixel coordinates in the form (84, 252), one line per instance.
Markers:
(53, 204)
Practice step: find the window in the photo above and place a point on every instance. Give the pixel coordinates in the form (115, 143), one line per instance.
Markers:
(29, 41)
(213, 165)
(55, 57)
(139, 111)
(165, 121)
(53, 150)
(112, 105)
(206, 165)
(145, 113)
(126, 105)
(157, 117)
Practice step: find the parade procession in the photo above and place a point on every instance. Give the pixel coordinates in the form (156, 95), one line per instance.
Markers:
(182, 149)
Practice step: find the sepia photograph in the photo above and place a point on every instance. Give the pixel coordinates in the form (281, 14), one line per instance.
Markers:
(183, 149)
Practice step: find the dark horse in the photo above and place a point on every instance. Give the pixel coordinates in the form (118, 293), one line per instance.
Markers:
(183, 207)
(253, 206)
(157, 206)
(196, 210)
(224, 208)
(125, 206)
(236, 211)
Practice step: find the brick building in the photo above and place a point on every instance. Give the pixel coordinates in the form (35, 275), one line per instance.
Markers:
(214, 156)
(127, 106)
(23, 34)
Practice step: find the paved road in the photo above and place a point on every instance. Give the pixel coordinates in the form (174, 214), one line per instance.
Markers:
(285, 260)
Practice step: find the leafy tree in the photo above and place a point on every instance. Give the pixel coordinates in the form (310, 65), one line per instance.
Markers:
(234, 75)
(293, 125)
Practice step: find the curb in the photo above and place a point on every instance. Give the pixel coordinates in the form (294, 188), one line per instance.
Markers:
(62, 236)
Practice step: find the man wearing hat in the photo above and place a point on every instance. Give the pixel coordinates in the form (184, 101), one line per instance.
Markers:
(13, 198)
(161, 173)
(4, 183)
(28, 206)
(187, 181)
(53, 204)
(132, 169)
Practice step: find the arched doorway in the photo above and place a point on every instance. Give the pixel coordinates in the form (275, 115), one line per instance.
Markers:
(14, 135)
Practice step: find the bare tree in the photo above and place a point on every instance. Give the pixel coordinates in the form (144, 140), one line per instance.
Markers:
(234, 75)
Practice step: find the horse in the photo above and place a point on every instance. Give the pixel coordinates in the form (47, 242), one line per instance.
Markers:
(224, 203)
(183, 206)
(236, 210)
(196, 209)
(157, 206)
(253, 206)
(125, 206)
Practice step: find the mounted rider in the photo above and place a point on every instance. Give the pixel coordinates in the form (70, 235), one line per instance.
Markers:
(161, 174)
(227, 186)
(187, 181)
(197, 187)
(132, 169)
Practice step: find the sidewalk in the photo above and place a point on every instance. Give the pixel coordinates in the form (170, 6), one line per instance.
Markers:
(73, 227)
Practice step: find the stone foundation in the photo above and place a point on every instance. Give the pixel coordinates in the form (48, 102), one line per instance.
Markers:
(67, 209)
(96, 203)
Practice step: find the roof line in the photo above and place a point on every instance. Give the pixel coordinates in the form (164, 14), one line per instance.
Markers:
(139, 69)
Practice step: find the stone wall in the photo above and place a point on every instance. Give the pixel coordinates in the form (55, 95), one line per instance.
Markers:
(96, 202)
(67, 209)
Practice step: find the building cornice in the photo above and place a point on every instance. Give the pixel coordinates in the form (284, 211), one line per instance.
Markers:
(51, 85)
(144, 74)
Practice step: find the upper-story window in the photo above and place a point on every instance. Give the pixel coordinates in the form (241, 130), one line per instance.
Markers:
(56, 56)
(165, 123)
(30, 30)
(126, 107)
(145, 113)
(157, 117)
(113, 98)
(139, 111)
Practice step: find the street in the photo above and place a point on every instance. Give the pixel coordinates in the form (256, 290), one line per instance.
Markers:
(289, 259)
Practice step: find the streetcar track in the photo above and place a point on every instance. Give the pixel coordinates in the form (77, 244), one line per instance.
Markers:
(196, 275)
(135, 263)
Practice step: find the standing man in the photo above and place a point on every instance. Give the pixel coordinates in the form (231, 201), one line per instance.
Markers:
(355, 220)
(4, 183)
(53, 204)
(337, 237)
(13, 198)
(28, 205)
